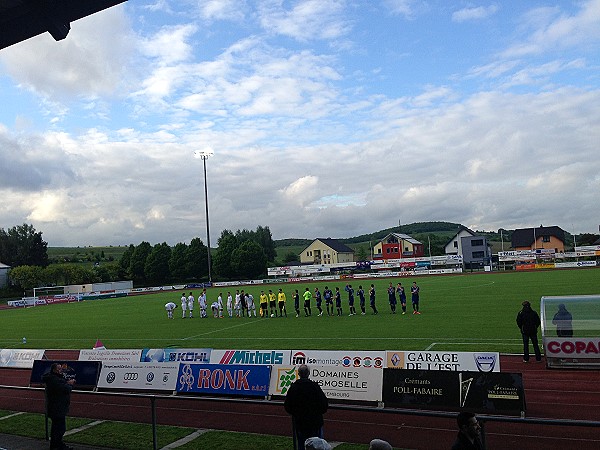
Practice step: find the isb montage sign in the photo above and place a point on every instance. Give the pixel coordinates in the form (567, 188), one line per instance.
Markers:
(491, 392)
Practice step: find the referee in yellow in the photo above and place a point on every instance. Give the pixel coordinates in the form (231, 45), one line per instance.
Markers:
(281, 301)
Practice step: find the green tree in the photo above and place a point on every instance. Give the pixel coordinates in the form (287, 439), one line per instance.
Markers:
(156, 269)
(197, 259)
(248, 260)
(227, 243)
(289, 257)
(362, 254)
(125, 262)
(23, 245)
(106, 272)
(137, 263)
(178, 262)
(27, 277)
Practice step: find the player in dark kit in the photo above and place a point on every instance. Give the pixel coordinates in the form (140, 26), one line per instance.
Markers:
(415, 291)
(361, 299)
(296, 297)
(392, 298)
(328, 295)
(350, 292)
(402, 295)
(338, 301)
(319, 300)
(372, 298)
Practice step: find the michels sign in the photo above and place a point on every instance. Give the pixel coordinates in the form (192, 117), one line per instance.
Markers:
(239, 380)
(454, 361)
(259, 357)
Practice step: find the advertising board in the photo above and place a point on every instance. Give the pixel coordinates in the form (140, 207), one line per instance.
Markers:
(572, 347)
(260, 357)
(85, 373)
(21, 359)
(122, 356)
(139, 376)
(455, 361)
(184, 355)
(238, 380)
(339, 358)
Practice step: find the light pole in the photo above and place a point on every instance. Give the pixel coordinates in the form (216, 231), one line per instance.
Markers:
(204, 155)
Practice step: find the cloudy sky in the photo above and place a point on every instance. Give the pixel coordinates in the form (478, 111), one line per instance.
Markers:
(327, 118)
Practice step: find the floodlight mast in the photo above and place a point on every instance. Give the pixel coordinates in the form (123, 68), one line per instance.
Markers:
(204, 155)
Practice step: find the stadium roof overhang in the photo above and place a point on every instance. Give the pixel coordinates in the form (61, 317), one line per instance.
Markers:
(24, 19)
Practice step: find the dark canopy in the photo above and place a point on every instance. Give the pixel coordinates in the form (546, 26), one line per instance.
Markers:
(23, 19)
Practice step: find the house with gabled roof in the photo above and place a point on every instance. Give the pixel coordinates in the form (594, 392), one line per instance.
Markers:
(454, 247)
(326, 251)
(398, 245)
(539, 238)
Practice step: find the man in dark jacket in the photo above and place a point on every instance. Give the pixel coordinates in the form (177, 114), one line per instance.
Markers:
(469, 432)
(563, 321)
(307, 403)
(528, 322)
(58, 398)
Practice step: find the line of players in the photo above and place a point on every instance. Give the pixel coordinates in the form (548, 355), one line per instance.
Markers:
(243, 304)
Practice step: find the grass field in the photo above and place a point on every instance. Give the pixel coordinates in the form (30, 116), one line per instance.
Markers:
(463, 312)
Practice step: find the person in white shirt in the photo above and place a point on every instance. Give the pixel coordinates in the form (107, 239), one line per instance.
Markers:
(215, 309)
(250, 305)
(220, 303)
(170, 307)
(202, 304)
(229, 305)
(183, 305)
(238, 305)
(190, 304)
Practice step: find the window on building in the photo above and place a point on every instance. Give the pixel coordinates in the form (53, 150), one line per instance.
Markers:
(387, 250)
(455, 244)
(476, 242)
(545, 238)
(477, 255)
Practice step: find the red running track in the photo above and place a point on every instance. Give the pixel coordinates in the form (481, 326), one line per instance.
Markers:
(550, 393)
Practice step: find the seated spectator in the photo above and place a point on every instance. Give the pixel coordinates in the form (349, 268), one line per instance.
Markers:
(378, 444)
(315, 443)
(469, 432)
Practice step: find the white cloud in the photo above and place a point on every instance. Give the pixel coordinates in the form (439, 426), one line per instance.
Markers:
(407, 8)
(474, 13)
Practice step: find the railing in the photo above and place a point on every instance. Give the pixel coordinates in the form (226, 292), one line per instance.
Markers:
(483, 418)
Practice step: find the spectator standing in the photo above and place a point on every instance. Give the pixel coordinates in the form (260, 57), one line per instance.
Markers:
(58, 399)
(415, 291)
(170, 307)
(306, 403)
(469, 432)
(528, 322)
(563, 321)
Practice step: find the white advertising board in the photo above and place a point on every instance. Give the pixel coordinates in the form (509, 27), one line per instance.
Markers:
(259, 357)
(338, 383)
(121, 356)
(339, 358)
(453, 361)
(572, 347)
(22, 359)
(139, 376)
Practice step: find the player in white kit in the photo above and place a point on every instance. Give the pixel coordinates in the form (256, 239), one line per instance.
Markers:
(183, 305)
(229, 305)
(170, 307)
(190, 304)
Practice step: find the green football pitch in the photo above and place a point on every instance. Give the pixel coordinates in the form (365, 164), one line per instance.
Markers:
(467, 312)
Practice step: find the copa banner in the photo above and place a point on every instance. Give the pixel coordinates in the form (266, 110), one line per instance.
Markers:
(239, 380)
(139, 376)
(490, 392)
(85, 373)
(258, 357)
(456, 361)
(338, 358)
(184, 355)
(572, 347)
(114, 356)
(22, 359)
(338, 383)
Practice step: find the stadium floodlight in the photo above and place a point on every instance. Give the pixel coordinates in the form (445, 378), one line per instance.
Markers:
(204, 155)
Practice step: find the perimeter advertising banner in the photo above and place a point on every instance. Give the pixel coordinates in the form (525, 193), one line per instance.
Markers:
(572, 347)
(239, 380)
(258, 357)
(183, 355)
(85, 373)
(455, 361)
(339, 358)
(338, 383)
(490, 392)
(114, 356)
(139, 376)
(21, 359)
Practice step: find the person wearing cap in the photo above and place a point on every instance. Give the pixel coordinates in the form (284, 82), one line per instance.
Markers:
(528, 322)
(315, 443)
(306, 403)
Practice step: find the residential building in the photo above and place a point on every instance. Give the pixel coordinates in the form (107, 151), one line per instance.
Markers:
(545, 238)
(3, 275)
(326, 251)
(454, 246)
(398, 245)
